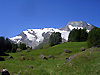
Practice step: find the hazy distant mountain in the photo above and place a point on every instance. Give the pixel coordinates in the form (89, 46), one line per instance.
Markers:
(34, 37)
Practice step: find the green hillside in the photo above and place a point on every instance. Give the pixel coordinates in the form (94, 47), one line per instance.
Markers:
(82, 63)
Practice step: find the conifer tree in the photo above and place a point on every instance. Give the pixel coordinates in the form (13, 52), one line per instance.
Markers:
(55, 38)
(94, 37)
(78, 35)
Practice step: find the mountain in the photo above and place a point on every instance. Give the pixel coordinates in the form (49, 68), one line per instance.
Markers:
(77, 24)
(40, 37)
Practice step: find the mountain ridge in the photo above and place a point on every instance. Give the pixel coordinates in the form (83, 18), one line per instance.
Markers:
(33, 37)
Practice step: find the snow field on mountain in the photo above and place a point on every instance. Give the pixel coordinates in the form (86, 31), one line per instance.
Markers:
(72, 27)
(38, 33)
(16, 39)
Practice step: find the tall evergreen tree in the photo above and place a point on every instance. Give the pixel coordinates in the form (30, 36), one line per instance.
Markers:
(2, 40)
(55, 38)
(14, 47)
(94, 37)
(22, 46)
(78, 35)
(8, 45)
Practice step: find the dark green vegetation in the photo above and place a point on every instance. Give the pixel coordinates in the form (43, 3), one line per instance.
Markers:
(55, 38)
(22, 46)
(94, 37)
(84, 63)
(78, 35)
(7, 46)
(78, 62)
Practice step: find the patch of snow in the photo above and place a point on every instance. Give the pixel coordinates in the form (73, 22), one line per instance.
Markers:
(29, 36)
(88, 24)
(39, 33)
(72, 27)
(16, 37)
(88, 31)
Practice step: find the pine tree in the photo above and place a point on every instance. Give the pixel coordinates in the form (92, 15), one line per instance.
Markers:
(78, 35)
(94, 37)
(22, 46)
(14, 47)
(55, 38)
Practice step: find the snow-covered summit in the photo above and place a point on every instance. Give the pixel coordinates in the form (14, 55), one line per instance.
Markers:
(33, 37)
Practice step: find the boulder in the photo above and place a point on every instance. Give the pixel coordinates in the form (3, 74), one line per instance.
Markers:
(82, 49)
(23, 58)
(66, 58)
(51, 56)
(43, 57)
(18, 51)
(5, 72)
(67, 51)
(30, 66)
(10, 57)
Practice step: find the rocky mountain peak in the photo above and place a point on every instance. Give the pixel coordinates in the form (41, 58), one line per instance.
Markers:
(77, 24)
(33, 37)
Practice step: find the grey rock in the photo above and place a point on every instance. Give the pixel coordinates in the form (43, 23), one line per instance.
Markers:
(43, 57)
(10, 57)
(5, 72)
(82, 49)
(51, 56)
(23, 58)
(30, 66)
(67, 51)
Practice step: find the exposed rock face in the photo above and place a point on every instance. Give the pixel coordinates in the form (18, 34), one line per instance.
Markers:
(77, 24)
(34, 37)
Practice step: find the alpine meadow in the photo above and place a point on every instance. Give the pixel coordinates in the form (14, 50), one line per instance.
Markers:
(49, 37)
(54, 55)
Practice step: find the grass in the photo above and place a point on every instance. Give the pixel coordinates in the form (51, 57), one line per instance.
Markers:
(85, 63)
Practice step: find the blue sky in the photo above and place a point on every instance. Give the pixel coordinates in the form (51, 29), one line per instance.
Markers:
(19, 15)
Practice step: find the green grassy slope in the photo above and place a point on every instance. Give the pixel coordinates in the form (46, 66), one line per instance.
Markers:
(84, 63)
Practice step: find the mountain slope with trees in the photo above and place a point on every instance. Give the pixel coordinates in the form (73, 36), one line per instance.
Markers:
(78, 35)
(94, 37)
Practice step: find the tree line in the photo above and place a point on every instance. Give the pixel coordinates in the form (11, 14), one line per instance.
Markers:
(78, 35)
(7, 46)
